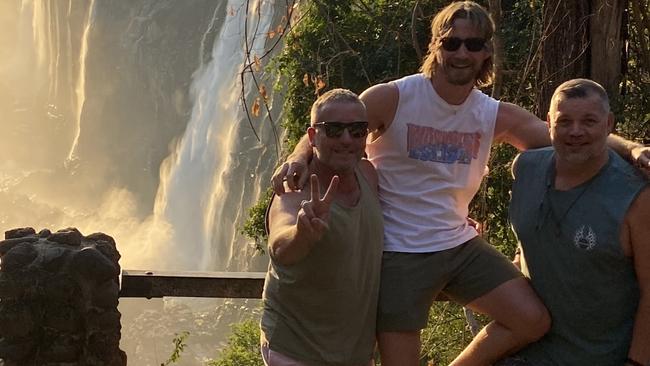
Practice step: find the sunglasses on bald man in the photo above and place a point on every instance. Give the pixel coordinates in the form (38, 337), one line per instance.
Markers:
(335, 129)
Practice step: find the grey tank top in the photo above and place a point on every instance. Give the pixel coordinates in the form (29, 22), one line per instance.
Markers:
(322, 310)
(574, 259)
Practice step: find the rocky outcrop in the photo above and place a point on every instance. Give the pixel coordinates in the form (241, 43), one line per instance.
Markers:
(58, 299)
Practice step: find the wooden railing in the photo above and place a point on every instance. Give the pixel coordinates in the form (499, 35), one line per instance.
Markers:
(150, 284)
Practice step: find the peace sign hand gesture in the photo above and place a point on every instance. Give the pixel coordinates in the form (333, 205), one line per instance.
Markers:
(313, 217)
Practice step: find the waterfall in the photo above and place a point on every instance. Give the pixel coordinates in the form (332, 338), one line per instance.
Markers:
(194, 185)
(80, 88)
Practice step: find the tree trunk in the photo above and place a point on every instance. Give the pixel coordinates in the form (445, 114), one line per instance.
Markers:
(581, 38)
(607, 44)
(565, 47)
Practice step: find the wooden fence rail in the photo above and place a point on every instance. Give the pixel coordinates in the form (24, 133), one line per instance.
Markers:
(150, 284)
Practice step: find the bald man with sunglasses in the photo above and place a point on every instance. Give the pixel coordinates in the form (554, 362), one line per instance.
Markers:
(321, 289)
(430, 138)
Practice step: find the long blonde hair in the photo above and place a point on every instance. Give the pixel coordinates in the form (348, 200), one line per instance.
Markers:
(441, 26)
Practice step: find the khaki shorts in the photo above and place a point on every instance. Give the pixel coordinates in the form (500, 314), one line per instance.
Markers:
(411, 281)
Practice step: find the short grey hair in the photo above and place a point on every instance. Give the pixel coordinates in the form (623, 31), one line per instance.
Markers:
(580, 88)
(338, 95)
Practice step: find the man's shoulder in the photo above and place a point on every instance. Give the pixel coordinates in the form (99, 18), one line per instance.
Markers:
(532, 157)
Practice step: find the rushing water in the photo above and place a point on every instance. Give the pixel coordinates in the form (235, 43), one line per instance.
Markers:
(126, 118)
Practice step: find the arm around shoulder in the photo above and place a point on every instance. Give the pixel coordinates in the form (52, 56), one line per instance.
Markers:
(520, 128)
(381, 105)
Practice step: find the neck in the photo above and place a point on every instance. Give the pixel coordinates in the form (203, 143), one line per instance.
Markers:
(569, 175)
(347, 178)
(450, 93)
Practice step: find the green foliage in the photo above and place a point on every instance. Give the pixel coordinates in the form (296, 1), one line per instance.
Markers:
(254, 227)
(243, 348)
(179, 347)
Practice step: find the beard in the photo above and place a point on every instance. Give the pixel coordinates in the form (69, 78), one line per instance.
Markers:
(461, 72)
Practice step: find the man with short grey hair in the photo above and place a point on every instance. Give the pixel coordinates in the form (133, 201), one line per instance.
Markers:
(584, 232)
(320, 294)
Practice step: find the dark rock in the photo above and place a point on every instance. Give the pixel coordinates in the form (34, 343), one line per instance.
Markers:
(10, 290)
(45, 233)
(103, 343)
(19, 232)
(8, 244)
(18, 257)
(101, 237)
(54, 258)
(63, 319)
(109, 251)
(108, 320)
(16, 322)
(69, 236)
(62, 349)
(106, 295)
(16, 350)
(92, 264)
(61, 289)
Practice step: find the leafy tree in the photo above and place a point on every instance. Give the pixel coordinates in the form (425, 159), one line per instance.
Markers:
(243, 348)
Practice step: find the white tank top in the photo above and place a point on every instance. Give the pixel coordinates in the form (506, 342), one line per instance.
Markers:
(430, 162)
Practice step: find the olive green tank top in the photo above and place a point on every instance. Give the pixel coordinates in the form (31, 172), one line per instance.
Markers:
(322, 310)
(574, 259)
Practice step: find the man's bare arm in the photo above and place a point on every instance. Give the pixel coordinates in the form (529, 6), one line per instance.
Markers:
(381, 102)
(638, 232)
(631, 151)
(520, 128)
(285, 243)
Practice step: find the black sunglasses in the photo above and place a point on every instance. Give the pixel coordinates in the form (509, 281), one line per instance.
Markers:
(333, 129)
(452, 44)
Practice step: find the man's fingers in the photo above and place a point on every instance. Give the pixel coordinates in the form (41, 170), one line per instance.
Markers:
(308, 208)
(331, 190)
(296, 176)
(314, 188)
(644, 160)
(277, 180)
(319, 225)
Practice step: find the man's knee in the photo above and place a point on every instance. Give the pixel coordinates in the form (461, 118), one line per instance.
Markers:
(535, 321)
(399, 348)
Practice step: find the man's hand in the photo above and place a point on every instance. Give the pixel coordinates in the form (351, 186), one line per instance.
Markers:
(475, 224)
(313, 217)
(292, 172)
(641, 157)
